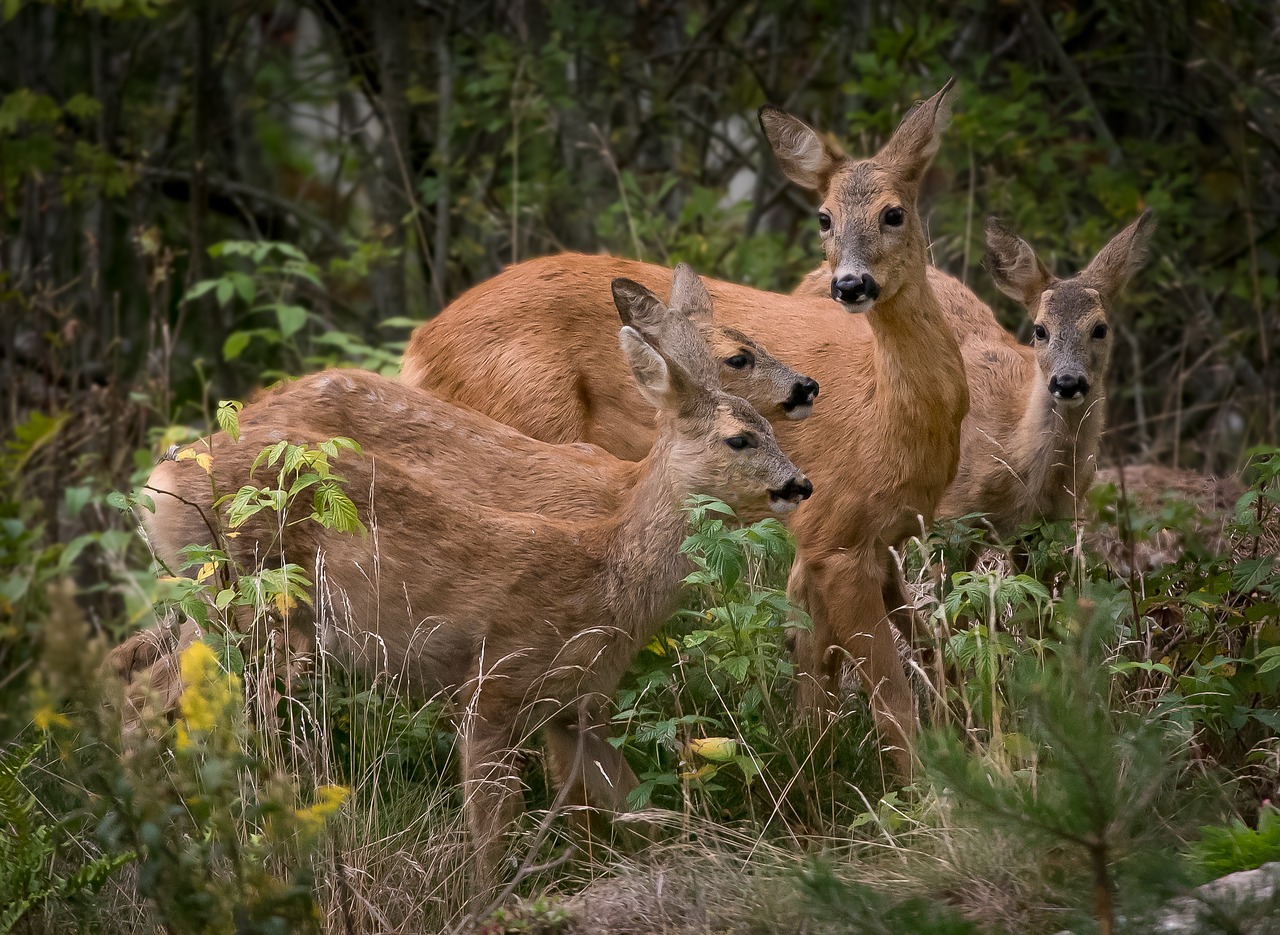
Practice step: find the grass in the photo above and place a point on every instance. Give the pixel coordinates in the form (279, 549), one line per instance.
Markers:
(787, 827)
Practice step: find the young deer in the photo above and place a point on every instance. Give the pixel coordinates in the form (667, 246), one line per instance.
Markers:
(1029, 447)
(881, 449)
(529, 619)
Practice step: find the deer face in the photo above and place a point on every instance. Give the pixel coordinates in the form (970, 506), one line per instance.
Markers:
(871, 230)
(726, 449)
(746, 369)
(1072, 335)
(723, 446)
(684, 331)
(1072, 340)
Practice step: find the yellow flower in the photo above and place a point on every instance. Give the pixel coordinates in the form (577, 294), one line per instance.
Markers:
(716, 749)
(47, 718)
(328, 800)
(210, 696)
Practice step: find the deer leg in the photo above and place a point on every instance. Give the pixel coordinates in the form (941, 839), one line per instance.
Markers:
(595, 771)
(848, 587)
(901, 611)
(819, 673)
(491, 788)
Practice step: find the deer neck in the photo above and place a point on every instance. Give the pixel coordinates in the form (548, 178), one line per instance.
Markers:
(916, 355)
(1056, 449)
(643, 566)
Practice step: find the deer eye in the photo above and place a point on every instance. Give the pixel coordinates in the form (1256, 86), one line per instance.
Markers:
(1099, 331)
(824, 221)
(1042, 333)
(893, 217)
(739, 361)
(738, 442)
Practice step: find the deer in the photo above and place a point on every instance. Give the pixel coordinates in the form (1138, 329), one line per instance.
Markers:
(526, 620)
(595, 411)
(1029, 446)
(525, 348)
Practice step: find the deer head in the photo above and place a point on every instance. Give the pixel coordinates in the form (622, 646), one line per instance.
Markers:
(684, 330)
(721, 445)
(1072, 336)
(871, 230)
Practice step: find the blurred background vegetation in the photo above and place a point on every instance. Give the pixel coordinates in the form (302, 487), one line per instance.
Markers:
(198, 199)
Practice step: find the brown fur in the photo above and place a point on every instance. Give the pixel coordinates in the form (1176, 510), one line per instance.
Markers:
(881, 446)
(1026, 454)
(590, 409)
(1148, 488)
(529, 619)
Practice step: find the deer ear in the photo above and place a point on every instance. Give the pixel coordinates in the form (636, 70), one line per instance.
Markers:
(637, 306)
(916, 141)
(650, 369)
(1124, 255)
(803, 155)
(689, 295)
(1014, 266)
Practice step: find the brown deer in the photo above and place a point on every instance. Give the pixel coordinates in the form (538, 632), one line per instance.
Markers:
(1029, 446)
(529, 619)
(593, 410)
(525, 348)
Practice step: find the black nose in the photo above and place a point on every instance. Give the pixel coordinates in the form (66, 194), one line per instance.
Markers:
(1068, 386)
(798, 488)
(853, 289)
(803, 392)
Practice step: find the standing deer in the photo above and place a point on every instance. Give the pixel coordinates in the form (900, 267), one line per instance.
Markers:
(1029, 446)
(530, 620)
(526, 348)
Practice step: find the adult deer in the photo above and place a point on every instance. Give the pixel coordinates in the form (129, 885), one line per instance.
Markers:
(530, 619)
(1029, 446)
(525, 348)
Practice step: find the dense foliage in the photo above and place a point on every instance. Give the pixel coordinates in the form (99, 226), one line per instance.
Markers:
(199, 199)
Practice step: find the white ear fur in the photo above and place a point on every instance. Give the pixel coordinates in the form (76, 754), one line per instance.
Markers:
(919, 136)
(804, 157)
(689, 294)
(650, 370)
(1013, 265)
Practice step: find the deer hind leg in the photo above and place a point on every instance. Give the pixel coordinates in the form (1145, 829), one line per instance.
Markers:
(848, 587)
(491, 787)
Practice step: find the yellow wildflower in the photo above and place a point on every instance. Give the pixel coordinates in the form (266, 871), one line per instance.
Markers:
(328, 800)
(209, 695)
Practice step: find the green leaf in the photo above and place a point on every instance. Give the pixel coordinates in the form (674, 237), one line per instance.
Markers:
(235, 344)
(291, 318)
(226, 290)
(228, 416)
(245, 286)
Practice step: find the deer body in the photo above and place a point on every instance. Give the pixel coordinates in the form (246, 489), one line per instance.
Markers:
(525, 349)
(528, 620)
(1029, 447)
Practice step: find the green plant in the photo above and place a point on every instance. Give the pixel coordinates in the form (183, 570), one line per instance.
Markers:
(1223, 850)
(30, 852)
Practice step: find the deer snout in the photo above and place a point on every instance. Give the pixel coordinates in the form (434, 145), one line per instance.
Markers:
(803, 392)
(854, 290)
(1069, 386)
(789, 495)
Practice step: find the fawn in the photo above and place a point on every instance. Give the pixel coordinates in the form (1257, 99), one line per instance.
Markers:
(526, 620)
(1029, 447)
